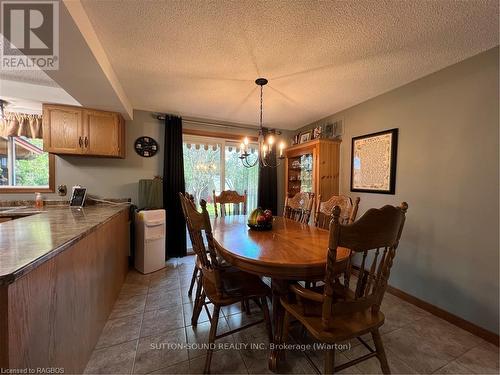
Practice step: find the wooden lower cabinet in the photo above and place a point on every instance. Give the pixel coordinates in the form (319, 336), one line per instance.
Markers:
(53, 316)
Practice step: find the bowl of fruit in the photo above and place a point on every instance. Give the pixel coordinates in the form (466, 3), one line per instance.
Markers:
(260, 219)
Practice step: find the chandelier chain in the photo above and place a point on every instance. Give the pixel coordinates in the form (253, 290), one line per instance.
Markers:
(266, 152)
(261, 108)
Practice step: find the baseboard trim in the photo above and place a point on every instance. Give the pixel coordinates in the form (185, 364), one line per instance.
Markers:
(449, 317)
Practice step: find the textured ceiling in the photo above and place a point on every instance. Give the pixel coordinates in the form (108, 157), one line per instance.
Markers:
(200, 58)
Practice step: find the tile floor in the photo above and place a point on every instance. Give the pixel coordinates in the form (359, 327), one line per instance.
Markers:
(154, 309)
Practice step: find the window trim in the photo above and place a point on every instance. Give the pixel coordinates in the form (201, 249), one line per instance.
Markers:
(35, 189)
(223, 136)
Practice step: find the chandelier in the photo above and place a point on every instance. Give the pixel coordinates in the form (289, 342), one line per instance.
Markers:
(267, 152)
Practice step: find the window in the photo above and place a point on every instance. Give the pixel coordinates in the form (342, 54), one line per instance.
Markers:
(24, 166)
(213, 164)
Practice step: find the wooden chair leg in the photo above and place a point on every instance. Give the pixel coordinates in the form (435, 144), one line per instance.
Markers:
(267, 318)
(211, 338)
(193, 279)
(245, 306)
(198, 304)
(377, 340)
(257, 302)
(286, 327)
(330, 361)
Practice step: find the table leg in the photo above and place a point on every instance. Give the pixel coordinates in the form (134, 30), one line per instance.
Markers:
(279, 289)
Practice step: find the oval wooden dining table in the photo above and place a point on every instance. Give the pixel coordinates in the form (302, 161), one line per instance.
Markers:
(289, 252)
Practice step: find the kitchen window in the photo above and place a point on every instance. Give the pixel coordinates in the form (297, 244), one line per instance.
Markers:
(24, 166)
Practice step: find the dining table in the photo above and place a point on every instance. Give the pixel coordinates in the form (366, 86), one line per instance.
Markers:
(289, 252)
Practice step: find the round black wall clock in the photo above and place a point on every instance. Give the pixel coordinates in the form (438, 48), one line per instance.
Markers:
(146, 146)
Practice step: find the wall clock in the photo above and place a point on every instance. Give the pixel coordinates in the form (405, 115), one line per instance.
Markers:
(146, 146)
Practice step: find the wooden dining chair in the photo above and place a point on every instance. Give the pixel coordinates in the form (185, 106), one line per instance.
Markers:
(230, 203)
(196, 269)
(196, 277)
(324, 210)
(337, 312)
(221, 285)
(299, 207)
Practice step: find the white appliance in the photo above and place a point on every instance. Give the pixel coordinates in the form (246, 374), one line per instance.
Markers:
(149, 240)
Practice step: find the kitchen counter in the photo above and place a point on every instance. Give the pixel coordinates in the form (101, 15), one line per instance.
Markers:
(61, 271)
(38, 235)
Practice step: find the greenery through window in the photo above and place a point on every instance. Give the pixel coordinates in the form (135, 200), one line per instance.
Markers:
(23, 163)
(213, 164)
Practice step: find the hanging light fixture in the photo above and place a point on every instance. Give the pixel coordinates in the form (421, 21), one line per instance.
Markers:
(267, 154)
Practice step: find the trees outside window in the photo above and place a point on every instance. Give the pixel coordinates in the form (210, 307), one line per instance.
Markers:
(23, 163)
(214, 164)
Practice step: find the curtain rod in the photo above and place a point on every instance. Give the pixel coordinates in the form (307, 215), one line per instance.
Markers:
(209, 123)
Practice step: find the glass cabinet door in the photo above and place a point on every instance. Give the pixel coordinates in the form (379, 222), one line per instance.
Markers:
(300, 174)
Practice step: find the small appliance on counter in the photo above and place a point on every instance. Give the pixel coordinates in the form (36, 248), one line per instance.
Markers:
(149, 240)
(78, 196)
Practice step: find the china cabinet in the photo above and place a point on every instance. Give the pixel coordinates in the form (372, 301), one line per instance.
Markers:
(313, 166)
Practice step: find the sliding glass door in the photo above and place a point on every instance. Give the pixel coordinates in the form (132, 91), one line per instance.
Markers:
(202, 169)
(213, 164)
(237, 177)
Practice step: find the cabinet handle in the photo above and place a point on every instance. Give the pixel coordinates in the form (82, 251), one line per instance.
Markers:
(80, 143)
(86, 141)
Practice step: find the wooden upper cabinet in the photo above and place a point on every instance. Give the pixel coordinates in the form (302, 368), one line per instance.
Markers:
(103, 133)
(62, 130)
(82, 131)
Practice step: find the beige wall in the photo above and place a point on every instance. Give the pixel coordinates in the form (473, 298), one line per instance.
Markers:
(447, 170)
(118, 178)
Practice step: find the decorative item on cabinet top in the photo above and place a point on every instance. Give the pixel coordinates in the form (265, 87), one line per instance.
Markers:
(69, 130)
(330, 130)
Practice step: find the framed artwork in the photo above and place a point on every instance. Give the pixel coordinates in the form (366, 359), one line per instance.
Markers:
(328, 131)
(306, 136)
(373, 162)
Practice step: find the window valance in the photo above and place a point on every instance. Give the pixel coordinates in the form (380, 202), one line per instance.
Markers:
(20, 124)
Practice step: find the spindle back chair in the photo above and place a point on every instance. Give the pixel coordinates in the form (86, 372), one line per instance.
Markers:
(339, 312)
(222, 286)
(230, 203)
(299, 207)
(324, 210)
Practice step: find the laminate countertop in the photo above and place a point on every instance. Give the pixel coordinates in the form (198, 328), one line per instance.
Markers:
(38, 235)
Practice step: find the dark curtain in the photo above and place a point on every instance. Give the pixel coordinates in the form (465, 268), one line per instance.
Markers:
(268, 188)
(173, 183)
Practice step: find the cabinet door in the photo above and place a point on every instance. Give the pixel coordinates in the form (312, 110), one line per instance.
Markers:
(328, 170)
(103, 133)
(62, 130)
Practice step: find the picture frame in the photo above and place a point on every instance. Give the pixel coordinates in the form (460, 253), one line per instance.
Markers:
(373, 162)
(317, 131)
(328, 131)
(305, 136)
